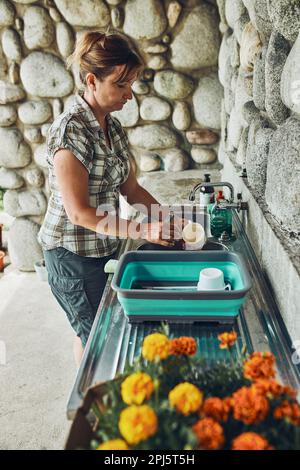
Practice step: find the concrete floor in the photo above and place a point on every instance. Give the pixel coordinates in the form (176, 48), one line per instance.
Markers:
(39, 372)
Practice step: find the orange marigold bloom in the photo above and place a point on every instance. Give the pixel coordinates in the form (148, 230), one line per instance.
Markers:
(249, 406)
(156, 346)
(227, 340)
(216, 408)
(186, 398)
(209, 433)
(250, 441)
(183, 346)
(259, 366)
(271, 388)
(288, 411)
(137, 388)
(113, 444)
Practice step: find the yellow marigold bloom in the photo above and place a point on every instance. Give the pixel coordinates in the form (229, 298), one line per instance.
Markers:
(259, 366)
(183, 346)
(113, 444)
(227, 340)
(186, 398)
(249, 406)
(137, 423)
(209, 433)
(156, 346)
(216, 408)
(250, 441)
(288, 411)
(137, 388)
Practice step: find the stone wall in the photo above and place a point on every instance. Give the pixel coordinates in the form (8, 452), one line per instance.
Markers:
(173, 120)
(259, 68)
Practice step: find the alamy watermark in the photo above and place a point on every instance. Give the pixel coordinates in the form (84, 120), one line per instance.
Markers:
(168, 220)
(296, 353)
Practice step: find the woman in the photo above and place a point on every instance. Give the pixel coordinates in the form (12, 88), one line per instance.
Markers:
(89, 166)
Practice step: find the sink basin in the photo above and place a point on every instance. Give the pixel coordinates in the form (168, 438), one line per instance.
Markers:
(209, 245)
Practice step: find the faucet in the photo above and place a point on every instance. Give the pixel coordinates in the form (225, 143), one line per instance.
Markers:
(214, 185)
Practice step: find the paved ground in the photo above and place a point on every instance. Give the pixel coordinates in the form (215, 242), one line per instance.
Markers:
(38, 376)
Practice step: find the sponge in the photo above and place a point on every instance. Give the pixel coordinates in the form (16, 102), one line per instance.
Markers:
(110, 266)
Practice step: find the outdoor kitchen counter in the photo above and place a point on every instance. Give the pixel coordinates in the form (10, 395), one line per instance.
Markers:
(113, 340)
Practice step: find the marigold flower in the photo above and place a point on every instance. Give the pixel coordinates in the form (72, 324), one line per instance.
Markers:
(227, 340)
(271, 388)
(250, 441)
(186, 398)
(216, 408)
(136, 388)
(113, 444)
(209, 433)
(288, 411)
(156, 346)
(249, 406)
(259, 366)
(183, 346)
(137, 423)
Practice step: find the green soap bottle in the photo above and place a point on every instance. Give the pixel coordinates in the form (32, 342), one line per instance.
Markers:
(220, 219)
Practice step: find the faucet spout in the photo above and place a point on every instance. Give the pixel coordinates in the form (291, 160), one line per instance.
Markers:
(214, 185)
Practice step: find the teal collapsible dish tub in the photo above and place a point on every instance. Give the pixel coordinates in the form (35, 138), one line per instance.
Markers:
(162, 285)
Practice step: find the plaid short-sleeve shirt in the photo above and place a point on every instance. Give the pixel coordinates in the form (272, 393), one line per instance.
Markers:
(78, 130)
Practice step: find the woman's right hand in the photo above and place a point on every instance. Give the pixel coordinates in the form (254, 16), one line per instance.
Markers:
(160, 233)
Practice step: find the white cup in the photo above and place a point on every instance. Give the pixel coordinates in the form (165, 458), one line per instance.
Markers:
(193, 235)
(212, 279)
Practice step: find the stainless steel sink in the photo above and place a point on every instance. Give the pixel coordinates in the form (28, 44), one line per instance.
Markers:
(209, 245)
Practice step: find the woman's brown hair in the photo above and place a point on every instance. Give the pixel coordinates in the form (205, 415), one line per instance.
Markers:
(98, 53)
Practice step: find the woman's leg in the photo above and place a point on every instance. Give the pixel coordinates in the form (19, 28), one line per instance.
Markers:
(77, 351)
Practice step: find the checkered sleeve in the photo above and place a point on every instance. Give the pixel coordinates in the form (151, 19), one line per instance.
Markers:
(73, 137)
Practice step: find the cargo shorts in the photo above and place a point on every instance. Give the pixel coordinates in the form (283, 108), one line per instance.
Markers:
(77, 283)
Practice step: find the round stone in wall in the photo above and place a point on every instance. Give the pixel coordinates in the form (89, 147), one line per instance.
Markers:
(175, 160)
(9, 179)
(35, 177)
(257, 159)
(129, 115)
(285, 16)
(38, 28)
(207, 102)
(8, 115)
(283, 182)
(64, 38)
(234, 9)
(152, 136)
(181, 116)
(157, 62)
(14, 152)
(24, 203)
(290, 79)
(9, 93)
(202, 137)
(84, 12)
(149, 162)
(144, 19)
(197, 43)
(7, 13)
(34, 112)
(40, 156)
(24, 251)
(277, 53)
(173, 85)
(44, 75)
(140, 88)
(33, 135)
(11, 45)
(154, 109)
(203, 155)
